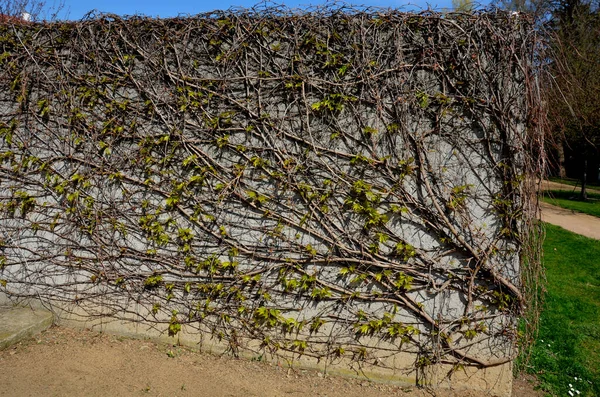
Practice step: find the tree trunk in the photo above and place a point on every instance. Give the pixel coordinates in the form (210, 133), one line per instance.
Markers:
(583, 195)
(562, 171)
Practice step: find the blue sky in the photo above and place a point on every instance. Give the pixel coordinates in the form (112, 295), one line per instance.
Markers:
(76, 9)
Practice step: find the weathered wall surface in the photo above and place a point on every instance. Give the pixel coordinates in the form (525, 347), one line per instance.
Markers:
(348, 187)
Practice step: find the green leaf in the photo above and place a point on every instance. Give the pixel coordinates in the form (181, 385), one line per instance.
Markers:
(153, 281)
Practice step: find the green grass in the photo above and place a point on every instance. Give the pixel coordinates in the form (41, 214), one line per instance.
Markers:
(568, 345)
(570, 201)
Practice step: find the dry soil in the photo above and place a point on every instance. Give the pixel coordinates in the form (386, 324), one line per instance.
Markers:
(73, 362)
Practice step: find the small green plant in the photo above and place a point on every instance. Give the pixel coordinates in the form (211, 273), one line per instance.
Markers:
(153, 281)
(174, 325)
(333, 103)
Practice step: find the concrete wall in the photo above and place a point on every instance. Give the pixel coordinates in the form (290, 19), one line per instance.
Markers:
(343, 190)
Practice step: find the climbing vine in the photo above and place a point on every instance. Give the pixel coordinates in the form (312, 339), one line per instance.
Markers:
(340, 183)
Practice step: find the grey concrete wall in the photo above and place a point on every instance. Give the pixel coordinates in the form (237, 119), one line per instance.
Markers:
(249, 192)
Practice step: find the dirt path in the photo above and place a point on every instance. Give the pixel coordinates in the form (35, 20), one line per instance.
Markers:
(71, 362)
(549, 185)
(576, 222)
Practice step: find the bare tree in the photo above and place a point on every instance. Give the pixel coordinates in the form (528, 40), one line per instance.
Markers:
(574, 110)
(463, 5)
(31, 10)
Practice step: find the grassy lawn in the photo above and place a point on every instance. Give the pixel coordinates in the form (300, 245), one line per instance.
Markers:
(570, 201)
(568, 347)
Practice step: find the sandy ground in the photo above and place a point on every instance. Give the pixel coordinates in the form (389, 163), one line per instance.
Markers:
(72, 362)
(575, 222)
